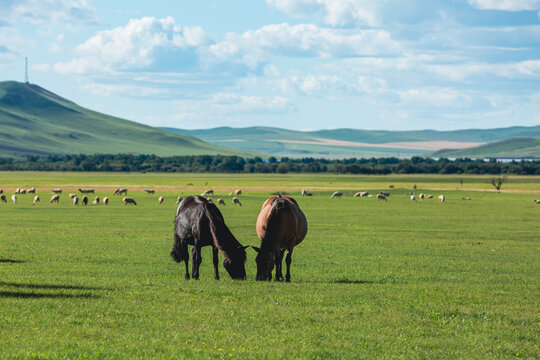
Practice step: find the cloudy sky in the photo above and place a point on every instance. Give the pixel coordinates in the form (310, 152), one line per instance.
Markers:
(299, 64)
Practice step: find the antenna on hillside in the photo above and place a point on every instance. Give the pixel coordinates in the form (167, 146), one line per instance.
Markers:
(26, 71)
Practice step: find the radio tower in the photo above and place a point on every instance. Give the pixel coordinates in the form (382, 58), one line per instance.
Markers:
(26, 71)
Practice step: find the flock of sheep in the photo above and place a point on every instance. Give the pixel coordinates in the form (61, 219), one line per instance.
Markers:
(383, 195)
(55, 198)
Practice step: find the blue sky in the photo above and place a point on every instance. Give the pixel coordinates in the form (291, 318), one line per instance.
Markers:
(298, 64)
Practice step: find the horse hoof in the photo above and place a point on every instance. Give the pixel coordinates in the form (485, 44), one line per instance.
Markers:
(187, 277)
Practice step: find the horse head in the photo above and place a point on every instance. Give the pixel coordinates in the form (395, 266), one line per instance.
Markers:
(265, 264)
(237, 268)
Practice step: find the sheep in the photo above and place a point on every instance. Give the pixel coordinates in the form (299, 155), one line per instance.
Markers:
(361, 194)
(14, 198)
(208, 192)
(413, 198)
(305, 192)
(231, 194)
(381, 197)
(357, 194)
(18, 191)
(84, 200)
(56, 191)
(236, 201)
(391, 186)
(86, 191)
(55, 198)
(386, 194)
(96, 200)
(160, 200)
(75, 200)
(72, 195)
(105, 201)
(238, 192)
(3, 198)
(536, 201)
(129, 200)
(179, 200)
(429, 196)
(36, 200)
(421, 196)
(150, 191)
(466, 198)
(221, 202)
(441, 198)
(31, 190)
(336, 194)
(120, 191)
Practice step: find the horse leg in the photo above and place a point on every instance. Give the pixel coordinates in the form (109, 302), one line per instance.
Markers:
(288, 262)
(196, 253)
(279, 267)
(216, 262)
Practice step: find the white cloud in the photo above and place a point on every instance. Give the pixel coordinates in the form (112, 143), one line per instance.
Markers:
(506, 5)
(332, 12)
(303, 40)
(328, 86)
(435, 97)
(141, 44)
(65, 12)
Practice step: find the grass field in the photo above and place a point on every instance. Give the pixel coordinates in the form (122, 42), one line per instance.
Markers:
(371, 280)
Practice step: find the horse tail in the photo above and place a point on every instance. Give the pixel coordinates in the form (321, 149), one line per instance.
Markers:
(179, 251)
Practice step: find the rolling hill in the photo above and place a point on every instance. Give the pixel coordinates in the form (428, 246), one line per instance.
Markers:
(523, 147)
(341, 143)
(34, 121)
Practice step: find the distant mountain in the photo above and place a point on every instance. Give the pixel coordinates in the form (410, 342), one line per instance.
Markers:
(341, 143)
(523, 147)
(34, 121)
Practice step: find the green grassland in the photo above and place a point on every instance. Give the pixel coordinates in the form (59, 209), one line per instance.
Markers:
(372, 279)
(34, 121)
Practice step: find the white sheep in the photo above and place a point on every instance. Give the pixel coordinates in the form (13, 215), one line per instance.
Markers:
(36, 200)
(236, 201)
(336, 194)
(413, 198)
(55, 198)
(160, 200)
(441, 198)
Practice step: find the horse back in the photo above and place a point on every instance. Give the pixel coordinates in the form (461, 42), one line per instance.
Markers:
(284, 224)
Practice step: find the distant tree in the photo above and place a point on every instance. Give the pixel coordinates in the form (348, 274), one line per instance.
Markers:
(498, 182)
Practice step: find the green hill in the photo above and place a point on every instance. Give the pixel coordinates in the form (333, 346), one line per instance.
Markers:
(351, 142)
(514, 147)
(34, 121)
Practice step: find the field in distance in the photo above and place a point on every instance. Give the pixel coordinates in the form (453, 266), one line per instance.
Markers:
(457, 279)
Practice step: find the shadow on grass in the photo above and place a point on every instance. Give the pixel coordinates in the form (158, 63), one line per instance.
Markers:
(11, 261)
(358, 281)
(25, 295)
(50, 286)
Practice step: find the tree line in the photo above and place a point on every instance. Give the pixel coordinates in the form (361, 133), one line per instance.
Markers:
(236, 164)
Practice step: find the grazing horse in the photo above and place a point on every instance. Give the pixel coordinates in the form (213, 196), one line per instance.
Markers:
(281, 226)
(199, 223)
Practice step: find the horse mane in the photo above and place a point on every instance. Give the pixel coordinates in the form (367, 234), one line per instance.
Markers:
(224, 240)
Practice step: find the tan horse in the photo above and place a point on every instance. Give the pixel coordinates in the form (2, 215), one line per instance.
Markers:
(281, 226)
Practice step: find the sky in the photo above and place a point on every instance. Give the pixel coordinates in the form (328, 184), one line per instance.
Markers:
(296, 64)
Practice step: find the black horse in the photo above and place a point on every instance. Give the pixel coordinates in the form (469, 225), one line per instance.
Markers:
(200, 223)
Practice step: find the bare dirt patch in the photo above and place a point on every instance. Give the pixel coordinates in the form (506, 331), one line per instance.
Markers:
(413, 145)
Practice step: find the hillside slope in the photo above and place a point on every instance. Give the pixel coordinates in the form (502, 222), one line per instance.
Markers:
(34, 121)
(352, 142)
(522, 147)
